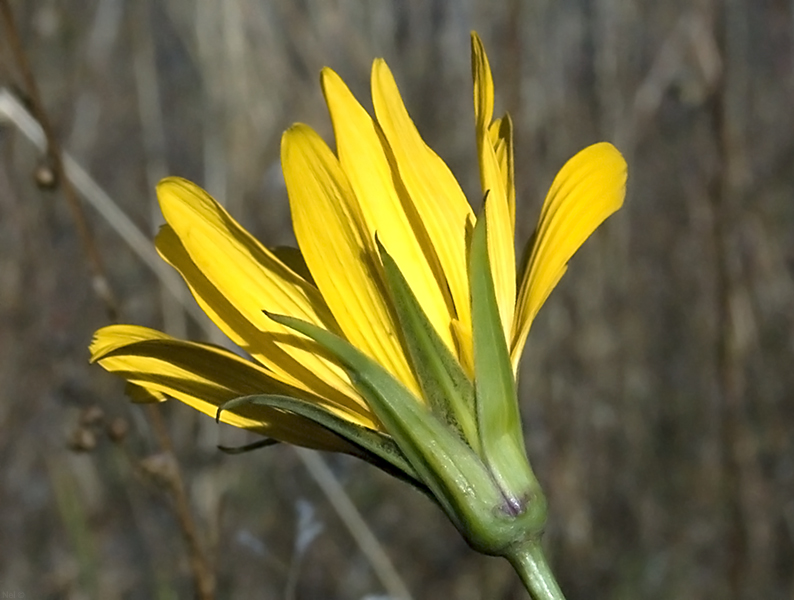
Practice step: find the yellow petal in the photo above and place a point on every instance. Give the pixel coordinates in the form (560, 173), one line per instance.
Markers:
(589, 188)
(331, 233)
(501, 249)
(501, 241)
(501, 134)
(204, 377)
(289, 358)
(483, 84)
(234, 278)
(500, 131)
(436, 194)
(387, 210)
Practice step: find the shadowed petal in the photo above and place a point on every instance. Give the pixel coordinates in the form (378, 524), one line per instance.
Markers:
(500, 215)
(205, 377)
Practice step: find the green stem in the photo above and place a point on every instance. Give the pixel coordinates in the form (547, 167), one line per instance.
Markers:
(530, 564)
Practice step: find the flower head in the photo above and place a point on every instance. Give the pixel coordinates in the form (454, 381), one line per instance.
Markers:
(394, 332)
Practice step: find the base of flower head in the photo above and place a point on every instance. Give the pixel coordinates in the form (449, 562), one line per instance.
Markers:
(508, 525)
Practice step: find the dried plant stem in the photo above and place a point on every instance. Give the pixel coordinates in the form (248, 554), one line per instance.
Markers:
(11, 109)
(203, 574)
(739, 461)
(53, 152)
(152, 128)
(360, 531)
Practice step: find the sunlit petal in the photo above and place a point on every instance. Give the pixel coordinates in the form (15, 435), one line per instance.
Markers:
(331, 233)
(438, 198)
(287, 357)
(500, 131)
(501, 134)
(589, 188)
(235, 278)
(387, 208)
(501, 244)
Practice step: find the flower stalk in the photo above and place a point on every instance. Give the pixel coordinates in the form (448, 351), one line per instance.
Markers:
(529, 562)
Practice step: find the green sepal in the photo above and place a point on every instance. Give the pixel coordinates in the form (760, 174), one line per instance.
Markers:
(498, 417)
(264, 443)
(455, 475)
(376, 448)
(445, 386)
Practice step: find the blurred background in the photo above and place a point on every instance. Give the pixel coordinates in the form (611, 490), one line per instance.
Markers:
(657, 386)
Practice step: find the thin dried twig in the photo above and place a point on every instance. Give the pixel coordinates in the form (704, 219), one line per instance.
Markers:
(54, 157)
(689, 42)
(152, 128)
(362, 534)
(203, 574)
(746, 533)
(12, 110)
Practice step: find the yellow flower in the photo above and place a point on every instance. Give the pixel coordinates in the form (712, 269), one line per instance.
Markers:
(381, 210)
